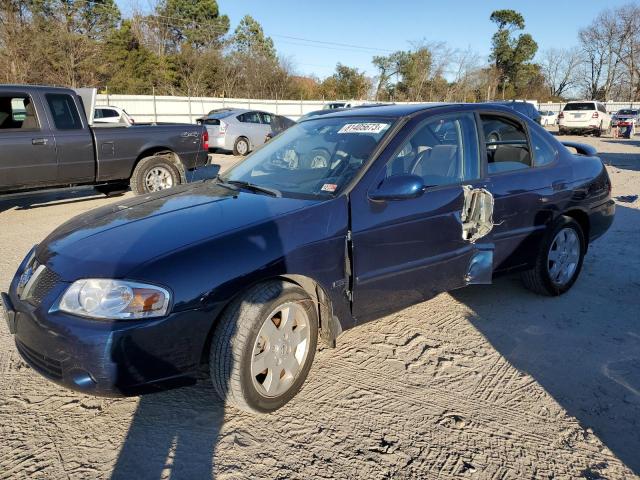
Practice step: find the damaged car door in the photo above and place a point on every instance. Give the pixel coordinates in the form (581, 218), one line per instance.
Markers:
(419, 227)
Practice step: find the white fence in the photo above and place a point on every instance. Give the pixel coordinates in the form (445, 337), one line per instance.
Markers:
(148, 108)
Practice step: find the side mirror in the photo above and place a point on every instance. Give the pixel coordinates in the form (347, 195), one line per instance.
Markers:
(398, 187)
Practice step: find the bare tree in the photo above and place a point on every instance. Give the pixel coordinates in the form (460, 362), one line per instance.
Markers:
(560, 69)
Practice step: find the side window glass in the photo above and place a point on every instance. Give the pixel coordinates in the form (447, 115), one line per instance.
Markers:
(443, 151)
(543, 152)
(98, 113)
(241, 118)
(64, 111)
(507, 146)
(266, 118)
(252, 117)
(18, 112)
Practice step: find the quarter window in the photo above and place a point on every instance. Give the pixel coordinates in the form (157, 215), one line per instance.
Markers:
(543, 152)
(64, 111)
(507, 146)
(443, 151)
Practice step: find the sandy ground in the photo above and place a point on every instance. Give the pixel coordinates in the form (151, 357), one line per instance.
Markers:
(487, 382)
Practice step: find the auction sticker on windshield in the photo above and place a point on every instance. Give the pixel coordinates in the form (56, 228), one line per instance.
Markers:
(363, 128)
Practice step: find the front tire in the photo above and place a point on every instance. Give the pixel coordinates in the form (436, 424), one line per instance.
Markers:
(559, 259)
(153, 174)
(263, 347)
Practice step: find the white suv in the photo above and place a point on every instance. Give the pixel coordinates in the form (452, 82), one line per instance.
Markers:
(583, 117)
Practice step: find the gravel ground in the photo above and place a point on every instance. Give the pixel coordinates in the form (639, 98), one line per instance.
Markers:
(486, 382)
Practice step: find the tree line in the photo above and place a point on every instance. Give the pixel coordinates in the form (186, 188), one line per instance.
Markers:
(186, 47)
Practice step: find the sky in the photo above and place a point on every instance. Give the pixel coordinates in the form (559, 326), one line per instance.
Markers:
(376, 27)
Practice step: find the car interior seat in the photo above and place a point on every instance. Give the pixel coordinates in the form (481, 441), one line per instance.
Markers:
(30, 121)
(438, 165)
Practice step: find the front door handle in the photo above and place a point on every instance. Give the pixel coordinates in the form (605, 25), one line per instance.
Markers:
(39, 141)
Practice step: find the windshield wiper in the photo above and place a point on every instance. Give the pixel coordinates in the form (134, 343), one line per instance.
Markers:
(256, 188)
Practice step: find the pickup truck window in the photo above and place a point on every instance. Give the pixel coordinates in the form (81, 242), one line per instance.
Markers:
(64, 111)
(18, 112)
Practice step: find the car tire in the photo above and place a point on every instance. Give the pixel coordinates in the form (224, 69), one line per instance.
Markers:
(548, 276)
(241, 146)
(249, 336)
(598, 132)
(153, 174)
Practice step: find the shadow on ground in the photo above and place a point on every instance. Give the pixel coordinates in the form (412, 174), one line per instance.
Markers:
(587, 358)
(172, 435)
(38, 199)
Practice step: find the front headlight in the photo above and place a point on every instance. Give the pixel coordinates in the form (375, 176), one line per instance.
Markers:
(114, 299)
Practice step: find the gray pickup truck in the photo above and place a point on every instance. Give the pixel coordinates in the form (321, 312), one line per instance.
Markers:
(47, 141)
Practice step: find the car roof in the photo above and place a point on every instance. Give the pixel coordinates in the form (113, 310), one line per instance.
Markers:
(23, 87)
(392, 111)
(396, 111)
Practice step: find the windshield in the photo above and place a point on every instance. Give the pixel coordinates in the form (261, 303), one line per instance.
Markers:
(314, 158)
(579, 106)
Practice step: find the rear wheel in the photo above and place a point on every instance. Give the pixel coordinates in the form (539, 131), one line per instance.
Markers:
(559, 260)
(241, 147)
(598, 132)
(153, 174)
(263, 347)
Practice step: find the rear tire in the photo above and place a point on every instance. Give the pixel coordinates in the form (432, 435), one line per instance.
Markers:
(241, 147)
(153, 174)
(598, 132)
(547, 277)
(257, 360)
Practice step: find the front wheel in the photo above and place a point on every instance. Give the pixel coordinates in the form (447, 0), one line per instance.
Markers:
(263, 347)
(559, 259)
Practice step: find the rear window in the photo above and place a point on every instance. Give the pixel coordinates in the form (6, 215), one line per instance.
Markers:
(579, 106)
(211, 121)
(627, 112)
(64, 111)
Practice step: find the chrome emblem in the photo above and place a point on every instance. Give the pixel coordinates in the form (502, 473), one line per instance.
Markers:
(25, 277)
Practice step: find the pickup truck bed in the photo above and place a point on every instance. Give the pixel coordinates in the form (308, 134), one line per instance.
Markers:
(46, 141)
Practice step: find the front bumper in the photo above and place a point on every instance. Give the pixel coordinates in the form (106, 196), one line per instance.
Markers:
(107, 358)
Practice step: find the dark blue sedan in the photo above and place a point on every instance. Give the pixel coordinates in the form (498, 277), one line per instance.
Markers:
(247, 272)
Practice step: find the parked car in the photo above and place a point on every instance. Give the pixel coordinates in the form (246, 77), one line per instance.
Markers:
(249, 271)
(626, 118)
(53, 145)
(241, 130)
(584, 117)
(109, 114)
(525, 108)
(548, 118)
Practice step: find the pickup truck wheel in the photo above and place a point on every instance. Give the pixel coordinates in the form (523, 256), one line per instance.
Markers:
(263, 347)
(153, 174)
(241, 147)
(559, 260)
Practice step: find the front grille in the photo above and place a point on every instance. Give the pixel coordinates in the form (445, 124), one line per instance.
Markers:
(45, 365)
(41, 286)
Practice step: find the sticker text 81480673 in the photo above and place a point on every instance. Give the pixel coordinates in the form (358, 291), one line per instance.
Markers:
(363, 128)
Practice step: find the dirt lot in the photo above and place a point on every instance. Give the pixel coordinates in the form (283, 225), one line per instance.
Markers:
(487, 382)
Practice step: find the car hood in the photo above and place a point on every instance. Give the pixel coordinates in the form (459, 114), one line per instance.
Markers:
(112, 240)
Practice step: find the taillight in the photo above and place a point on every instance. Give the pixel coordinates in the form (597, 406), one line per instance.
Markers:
(561, 115)
(205, 140)
(595, 115)
(222, 129)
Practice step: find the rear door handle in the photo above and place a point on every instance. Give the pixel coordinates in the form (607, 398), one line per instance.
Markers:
(39, 141)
